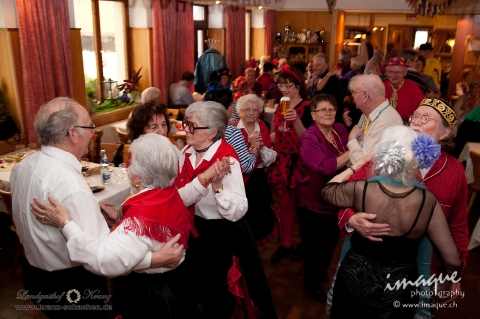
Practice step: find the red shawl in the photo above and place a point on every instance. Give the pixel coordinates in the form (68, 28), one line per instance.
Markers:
(158, 214)
(188, 174)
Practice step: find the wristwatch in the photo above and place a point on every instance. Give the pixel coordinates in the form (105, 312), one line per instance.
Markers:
(219, 190)
(64, 223)
(349, 228)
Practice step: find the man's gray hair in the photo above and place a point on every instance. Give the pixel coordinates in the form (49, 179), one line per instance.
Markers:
(52, 127)
(249, 98)
(344, 53)
(154, 160)
(151, 94)
(211, 114)
(323, 56)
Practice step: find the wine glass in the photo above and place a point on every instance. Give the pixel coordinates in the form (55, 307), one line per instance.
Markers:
(123, 170)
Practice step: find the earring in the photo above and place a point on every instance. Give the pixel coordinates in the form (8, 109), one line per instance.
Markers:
(137, 185)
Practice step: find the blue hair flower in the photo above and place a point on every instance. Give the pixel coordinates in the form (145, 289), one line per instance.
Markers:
(426, 150)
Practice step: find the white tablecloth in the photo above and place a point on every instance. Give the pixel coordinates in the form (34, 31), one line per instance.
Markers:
(115, 193)
(110, 134)
(465, 157)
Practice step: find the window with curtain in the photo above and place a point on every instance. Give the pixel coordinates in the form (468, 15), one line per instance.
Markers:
(104, 26)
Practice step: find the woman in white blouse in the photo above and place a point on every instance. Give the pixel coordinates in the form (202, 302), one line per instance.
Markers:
(219, 208)
(148, 220)
(261, 216)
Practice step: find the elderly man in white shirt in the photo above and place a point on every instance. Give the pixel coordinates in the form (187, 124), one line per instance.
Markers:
(64, 129)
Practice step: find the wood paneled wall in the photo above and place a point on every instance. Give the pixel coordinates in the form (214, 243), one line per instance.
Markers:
(142, 39)
(299, 20)
(79, 92)
(218, 34)
(257, 44)
(11, 82)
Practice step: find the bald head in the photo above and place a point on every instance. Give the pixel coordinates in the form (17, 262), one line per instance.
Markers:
(368, 92)
(151, 94)
(56, 117)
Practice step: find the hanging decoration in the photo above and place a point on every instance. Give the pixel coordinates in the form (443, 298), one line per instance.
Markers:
(429, 9)
(331, 5)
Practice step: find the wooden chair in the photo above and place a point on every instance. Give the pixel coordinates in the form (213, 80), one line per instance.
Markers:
(123, 136)
(111, 148)
(94, 154)
(475, 186)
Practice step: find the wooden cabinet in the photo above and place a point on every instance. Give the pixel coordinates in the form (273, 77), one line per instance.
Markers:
(298, 52)
(472, 53)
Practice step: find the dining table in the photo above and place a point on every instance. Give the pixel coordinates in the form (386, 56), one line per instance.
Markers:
(116, 192)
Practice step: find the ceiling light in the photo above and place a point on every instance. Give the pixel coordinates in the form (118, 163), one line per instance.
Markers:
(260, 8)
(217, 2)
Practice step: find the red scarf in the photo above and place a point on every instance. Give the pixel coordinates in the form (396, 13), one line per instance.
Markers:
(158, 214)
(188, 174)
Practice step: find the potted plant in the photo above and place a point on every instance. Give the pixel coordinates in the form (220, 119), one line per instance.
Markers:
(129, 88)
(91, 89)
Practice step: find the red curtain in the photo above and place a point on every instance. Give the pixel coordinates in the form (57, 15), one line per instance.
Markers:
(44, 32)
(235, 39)
(173, 40)
(270, 21)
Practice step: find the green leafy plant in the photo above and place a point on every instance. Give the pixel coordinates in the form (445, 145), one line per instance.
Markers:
(91, 88)
(131, 84)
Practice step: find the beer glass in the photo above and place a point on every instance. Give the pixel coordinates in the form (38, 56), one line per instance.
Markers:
(285, 105)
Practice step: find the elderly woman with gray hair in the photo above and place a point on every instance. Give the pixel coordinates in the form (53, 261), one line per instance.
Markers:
(147, 220)
(261, 217)
(367, 281)
(218, 208)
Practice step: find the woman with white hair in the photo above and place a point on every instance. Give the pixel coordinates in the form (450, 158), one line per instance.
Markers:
(260, 216)
(363, 287)
(147, 220)
(224, 244)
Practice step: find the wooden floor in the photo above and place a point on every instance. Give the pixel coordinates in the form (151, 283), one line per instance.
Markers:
(285, 279)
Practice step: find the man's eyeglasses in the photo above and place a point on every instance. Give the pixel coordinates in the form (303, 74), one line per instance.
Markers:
(353, 92)
(90, 127)
(251, 111)
(285, 86)
(423, 118)
(394, 72)
(191, 126)
(325, 111)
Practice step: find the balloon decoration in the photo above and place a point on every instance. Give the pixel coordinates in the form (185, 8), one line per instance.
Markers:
(429, 9)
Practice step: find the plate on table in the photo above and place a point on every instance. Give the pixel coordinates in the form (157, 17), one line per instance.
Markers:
(96, 189)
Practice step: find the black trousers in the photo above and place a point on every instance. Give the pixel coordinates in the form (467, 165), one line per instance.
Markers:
(319, 233)
(83, 288)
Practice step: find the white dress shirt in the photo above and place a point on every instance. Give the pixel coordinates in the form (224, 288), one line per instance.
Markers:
(58, 173)
(230, 204)
(116, 254)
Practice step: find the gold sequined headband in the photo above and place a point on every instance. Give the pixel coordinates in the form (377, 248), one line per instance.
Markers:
(443, 109)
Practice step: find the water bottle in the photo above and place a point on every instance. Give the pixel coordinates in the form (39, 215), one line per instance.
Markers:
(104, 171)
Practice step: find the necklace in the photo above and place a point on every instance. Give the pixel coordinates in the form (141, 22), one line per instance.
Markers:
(203, 150)
(334, 144)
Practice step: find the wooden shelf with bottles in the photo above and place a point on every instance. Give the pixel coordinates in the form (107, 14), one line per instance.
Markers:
(299, 52)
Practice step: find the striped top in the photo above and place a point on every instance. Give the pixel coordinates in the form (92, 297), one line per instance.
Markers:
(234, 137)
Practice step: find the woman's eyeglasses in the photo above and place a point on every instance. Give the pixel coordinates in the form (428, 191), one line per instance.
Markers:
(285, 86)
(325, 111)
(191, 126)
(250, 111)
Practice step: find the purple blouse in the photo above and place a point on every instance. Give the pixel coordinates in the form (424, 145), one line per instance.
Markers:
(317, 164)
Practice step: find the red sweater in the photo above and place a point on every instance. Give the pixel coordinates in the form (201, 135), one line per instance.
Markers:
(446, 180)
(409, 98)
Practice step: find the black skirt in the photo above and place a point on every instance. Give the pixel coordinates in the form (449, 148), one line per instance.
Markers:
(208, 260)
